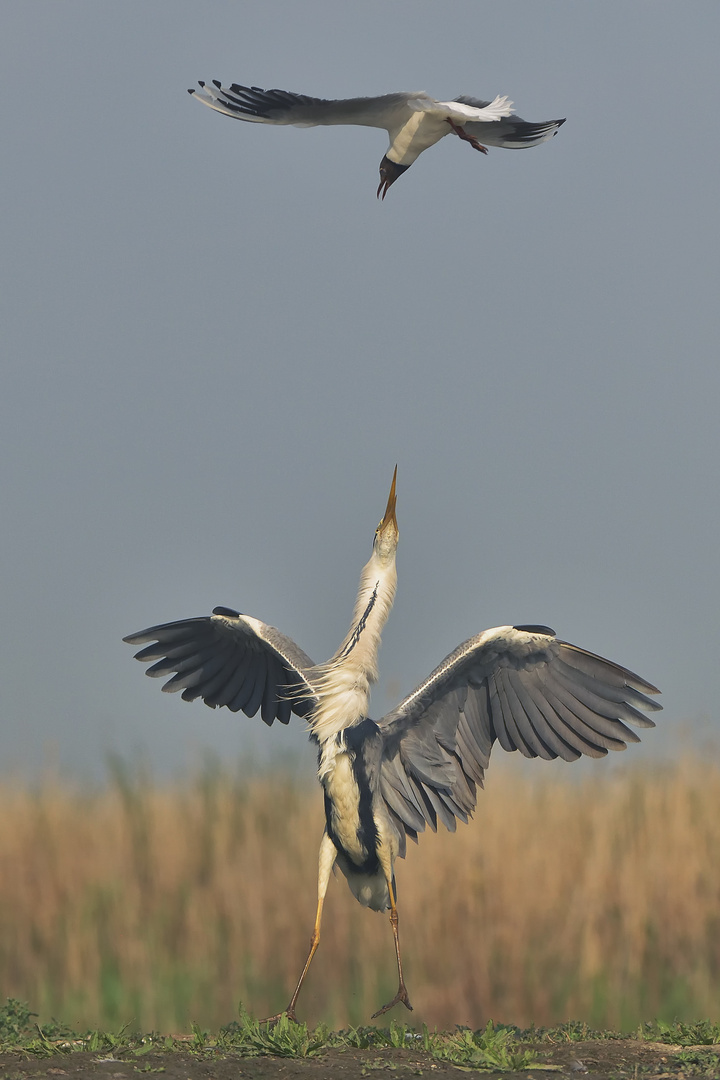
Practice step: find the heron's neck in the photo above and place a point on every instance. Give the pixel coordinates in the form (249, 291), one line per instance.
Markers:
(376, 592)
(345, 680)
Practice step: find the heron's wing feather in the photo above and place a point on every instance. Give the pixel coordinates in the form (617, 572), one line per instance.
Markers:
(510, 131)
(282, 107)
(230, 659)
(521, 686)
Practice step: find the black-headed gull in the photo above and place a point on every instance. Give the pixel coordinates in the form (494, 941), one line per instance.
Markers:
(413, 121)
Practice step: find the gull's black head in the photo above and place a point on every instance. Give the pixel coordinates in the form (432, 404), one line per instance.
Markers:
(389, 172)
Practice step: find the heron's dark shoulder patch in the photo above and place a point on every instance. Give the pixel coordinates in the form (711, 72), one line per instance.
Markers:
(360, 734)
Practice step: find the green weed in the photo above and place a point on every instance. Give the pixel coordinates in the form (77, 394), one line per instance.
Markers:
(698, 1063)
(702, 1033)
(251, 1038)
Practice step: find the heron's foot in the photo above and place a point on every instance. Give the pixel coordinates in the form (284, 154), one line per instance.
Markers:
(402, 995)
(289, 1012)
(475, 143)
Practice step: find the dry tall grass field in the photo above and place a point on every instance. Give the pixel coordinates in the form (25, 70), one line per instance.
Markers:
(597, 900)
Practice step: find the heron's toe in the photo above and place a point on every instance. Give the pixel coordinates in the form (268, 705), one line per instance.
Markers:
(402, 995)
(289, 1013)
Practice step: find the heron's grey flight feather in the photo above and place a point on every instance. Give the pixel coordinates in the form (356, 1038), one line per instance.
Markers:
(549, 738)
(529, 691)
(232, 694)
(598, 720)
(534, 746)
(612, 701)
(233, 660)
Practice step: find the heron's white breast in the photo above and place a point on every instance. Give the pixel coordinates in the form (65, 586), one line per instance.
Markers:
(342, 790)
(344, 693)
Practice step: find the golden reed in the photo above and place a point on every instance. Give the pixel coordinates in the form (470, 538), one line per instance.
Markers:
(592, 896)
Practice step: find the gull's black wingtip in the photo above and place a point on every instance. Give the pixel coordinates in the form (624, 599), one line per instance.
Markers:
(191, 91)
(218, 84)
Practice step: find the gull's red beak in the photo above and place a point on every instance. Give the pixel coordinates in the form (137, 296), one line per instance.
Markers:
(389, 172)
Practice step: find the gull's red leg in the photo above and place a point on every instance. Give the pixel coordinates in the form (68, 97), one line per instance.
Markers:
(465, 137)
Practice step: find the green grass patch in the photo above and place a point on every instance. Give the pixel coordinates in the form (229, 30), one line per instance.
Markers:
(496, 1047)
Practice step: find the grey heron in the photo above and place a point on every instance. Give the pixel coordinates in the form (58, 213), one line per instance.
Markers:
(422, 762)
(414, 121)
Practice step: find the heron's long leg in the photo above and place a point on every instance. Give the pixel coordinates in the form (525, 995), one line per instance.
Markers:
(402, 994)
(465, 137)
(326, 861)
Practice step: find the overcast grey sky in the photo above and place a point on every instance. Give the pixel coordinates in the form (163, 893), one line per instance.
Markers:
(217, 344)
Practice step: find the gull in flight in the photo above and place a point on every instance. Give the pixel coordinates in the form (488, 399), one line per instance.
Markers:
(413, 121)
(421, 763)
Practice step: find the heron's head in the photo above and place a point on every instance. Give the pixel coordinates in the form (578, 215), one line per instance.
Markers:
(386, 534)
(389, 172)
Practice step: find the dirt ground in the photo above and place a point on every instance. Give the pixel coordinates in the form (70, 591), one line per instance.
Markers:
(603, 1060)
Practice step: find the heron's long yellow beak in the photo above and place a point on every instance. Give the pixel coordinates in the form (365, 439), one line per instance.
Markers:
(389, 515)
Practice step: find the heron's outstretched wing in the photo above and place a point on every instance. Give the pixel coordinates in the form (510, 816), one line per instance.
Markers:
(519, 685)
(511, 132)
(230, 659)
(389, 111)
